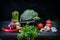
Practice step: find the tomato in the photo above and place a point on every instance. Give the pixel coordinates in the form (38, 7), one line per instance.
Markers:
(40, 25)
(48, 21)
(49, 25)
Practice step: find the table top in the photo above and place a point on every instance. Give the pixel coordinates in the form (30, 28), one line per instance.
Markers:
(46, 34)
(49, 34)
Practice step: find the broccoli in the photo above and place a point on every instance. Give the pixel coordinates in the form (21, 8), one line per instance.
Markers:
(29, 14)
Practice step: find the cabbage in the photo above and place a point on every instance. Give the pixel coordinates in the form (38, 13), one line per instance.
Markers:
(28, 14)
(15, 15)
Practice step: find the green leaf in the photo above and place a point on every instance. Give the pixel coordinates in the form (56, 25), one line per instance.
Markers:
(29, 32)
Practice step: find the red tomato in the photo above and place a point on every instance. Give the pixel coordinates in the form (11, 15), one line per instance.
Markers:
(49, 25)
(48, 22)
(40, 25)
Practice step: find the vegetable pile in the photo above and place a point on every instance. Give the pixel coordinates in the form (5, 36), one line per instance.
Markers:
(14, 22)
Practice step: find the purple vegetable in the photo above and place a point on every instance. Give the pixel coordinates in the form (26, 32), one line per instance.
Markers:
(11, 25)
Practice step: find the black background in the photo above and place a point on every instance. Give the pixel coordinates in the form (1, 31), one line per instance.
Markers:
(46, 9)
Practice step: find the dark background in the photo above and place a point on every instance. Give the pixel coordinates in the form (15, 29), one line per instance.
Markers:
(46, 9)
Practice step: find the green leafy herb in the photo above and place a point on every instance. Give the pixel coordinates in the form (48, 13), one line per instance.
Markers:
(29, 32)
